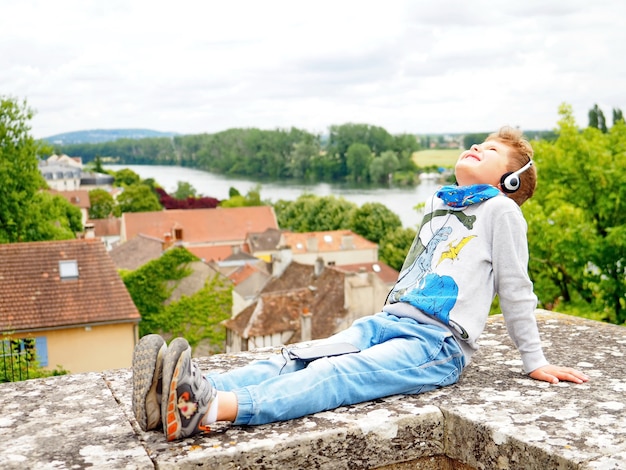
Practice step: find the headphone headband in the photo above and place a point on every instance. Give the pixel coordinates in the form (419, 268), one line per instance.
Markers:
(511, 182)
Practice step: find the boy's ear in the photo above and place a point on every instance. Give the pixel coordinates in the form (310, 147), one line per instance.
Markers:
(511, 182)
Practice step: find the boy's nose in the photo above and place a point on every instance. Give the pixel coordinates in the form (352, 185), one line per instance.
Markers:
(475, 148)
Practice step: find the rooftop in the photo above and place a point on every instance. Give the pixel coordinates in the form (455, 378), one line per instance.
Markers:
(494, 418)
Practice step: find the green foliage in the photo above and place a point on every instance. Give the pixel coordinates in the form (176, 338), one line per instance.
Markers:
(196, 317)
(263, 154)
(101, 204)
(138, 198)
(358, 159)
(394, 246)
(199, 317)
(27, 213)
(577, 220)
(184, 190)
(311, 213)
(381, 167)
(148, 286)
(373, 220)
(126, 177)
(597, 119)
(51, 217)
(252, 198)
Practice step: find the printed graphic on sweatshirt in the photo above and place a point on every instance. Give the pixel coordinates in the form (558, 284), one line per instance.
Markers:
(419, 284)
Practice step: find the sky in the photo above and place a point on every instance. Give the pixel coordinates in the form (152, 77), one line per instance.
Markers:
(414, 66)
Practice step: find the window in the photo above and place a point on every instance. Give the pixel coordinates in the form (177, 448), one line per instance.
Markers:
(68, 269)
(18, 357)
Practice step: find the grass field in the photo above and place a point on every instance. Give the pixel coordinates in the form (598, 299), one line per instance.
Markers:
(438, 157)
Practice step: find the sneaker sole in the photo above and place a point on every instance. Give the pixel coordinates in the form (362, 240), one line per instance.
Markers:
(172, 426)
(147, 366)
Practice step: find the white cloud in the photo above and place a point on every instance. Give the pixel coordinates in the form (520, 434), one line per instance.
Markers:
(408, 66)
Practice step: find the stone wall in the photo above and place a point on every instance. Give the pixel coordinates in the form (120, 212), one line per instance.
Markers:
(494, 418)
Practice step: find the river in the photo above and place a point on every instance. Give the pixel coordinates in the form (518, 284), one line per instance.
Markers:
(400, 200)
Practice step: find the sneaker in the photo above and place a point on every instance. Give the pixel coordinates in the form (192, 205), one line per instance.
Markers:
(187, 394)
(147, 372)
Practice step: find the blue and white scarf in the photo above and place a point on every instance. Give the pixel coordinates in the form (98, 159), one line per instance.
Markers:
(463, 196)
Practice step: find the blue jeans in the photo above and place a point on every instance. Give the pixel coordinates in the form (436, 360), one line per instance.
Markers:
(398, 356)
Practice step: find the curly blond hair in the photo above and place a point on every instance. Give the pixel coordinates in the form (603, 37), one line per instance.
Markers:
(520, 154)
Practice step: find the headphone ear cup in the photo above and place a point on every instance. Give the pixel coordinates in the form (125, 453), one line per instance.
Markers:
(510, 182)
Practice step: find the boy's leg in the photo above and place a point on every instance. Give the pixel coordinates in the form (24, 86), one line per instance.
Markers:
(406, 357)
(255, 372)
(360, 334)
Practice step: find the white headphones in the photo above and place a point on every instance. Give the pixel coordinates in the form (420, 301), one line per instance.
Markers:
(511, 182)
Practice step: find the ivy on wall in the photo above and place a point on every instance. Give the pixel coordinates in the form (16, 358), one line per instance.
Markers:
(196, 317)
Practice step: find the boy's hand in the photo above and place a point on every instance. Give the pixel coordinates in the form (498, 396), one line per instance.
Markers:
(554, 374)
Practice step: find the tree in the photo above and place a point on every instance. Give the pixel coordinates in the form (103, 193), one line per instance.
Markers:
(26, 212)
(101, 204)
(384, 166)
(126, 177)
(358, 159)
(252, 198)
(138, 198)
(51, 217)
(577, 220)
(617, 115)
(311, 213)
(374, 220)
(597, 119)
(184, 190)
(394, 246)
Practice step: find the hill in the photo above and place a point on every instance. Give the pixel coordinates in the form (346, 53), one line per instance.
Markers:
(95, 136)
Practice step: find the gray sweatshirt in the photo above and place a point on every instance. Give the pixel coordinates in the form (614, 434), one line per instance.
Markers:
(460, 259)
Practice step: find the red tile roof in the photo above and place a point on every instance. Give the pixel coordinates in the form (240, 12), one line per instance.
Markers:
(211, 253)
(200, 225)
(78, 197)
(334, 240)
(385, 272)
(242, 273)
(285, 298)
(33, 296)
(106, 227)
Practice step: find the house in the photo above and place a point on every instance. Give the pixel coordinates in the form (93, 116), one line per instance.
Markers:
(78, 198)
(270, 247)
(136, 252)
(67, 299)
(386, 273)
(249, 280)
(107, 230)
(210, 234)
(61, 175)
(305, 303)
(335, 247)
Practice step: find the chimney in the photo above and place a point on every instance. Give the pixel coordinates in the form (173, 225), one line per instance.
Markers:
(90, 231)
(318, 268)
(311, 243)
(305, 325)
(167, 241)
(347, 242)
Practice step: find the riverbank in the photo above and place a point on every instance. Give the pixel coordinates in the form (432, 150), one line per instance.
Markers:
(400, 200)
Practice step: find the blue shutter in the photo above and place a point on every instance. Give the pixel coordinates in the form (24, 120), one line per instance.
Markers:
(41, 346)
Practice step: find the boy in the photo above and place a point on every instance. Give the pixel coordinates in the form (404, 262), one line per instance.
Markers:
(471, 246)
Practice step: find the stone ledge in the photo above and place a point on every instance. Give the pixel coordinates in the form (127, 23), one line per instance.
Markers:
(494, 418)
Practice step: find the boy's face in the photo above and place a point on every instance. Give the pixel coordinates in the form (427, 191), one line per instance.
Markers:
(482, 164)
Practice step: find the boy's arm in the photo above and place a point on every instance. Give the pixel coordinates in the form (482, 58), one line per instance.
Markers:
(518, 301)
(554, 374)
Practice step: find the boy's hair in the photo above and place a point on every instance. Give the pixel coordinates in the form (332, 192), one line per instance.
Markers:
(520, 154)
